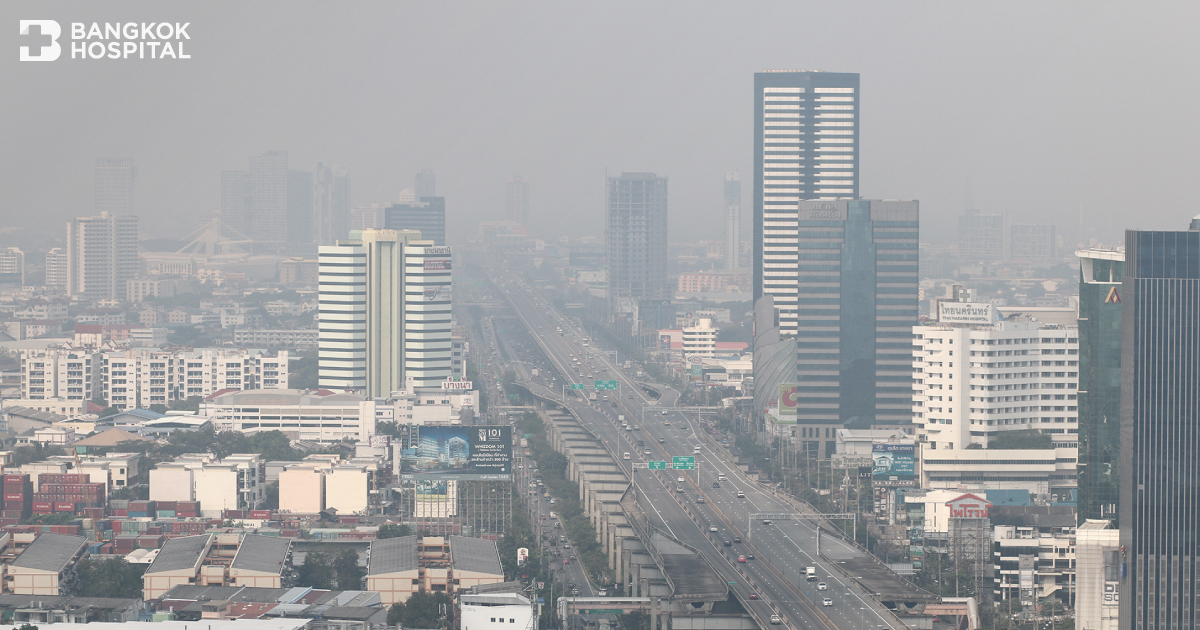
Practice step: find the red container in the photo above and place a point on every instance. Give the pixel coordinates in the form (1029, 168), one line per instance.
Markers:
(43, 505)
(120, 512)
(64, 507)
(186, 514)
(167, 505)
(260, 514)
(37, 511)
(234, 514)
(154, 531)
(8, 478)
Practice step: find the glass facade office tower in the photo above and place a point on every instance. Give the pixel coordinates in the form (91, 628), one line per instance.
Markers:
(805, 147)
(636, 237)
(1160, 431)
(733, 220)
(428, 216)
(516, 200)
(980, 236)
(1100, 275)
(114, 185)
(855, 295)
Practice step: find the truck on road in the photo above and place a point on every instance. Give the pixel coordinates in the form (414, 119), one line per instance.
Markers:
(810, 573)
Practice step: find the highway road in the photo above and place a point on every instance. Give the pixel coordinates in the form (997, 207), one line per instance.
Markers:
(781, 549)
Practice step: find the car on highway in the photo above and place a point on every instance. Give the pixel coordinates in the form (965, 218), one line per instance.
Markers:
(826, 602)
(626, 455)
(646, 452)
(679, 479)
(700, 500)
(737, 539)
(753, 595)
(662, 440)
(741, 495)
(776, 620)
(716, 484)
(728, 544)
(741, 558)
(821, 586)
(766, 521)
(749, 556)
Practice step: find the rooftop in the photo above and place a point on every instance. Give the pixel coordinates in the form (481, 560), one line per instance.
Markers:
(184, 552)
(50, 552)
(475, 554)
(262, 553)
(393, 555)
(111, 437)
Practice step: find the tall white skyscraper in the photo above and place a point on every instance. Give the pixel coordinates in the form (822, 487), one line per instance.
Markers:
(516, 200)
(805, 147)
(114, 185)
(733, 219)
(382, 311)
(427, 313)
(102, 255)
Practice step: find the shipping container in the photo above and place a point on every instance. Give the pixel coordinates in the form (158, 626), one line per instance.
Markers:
(260, 514)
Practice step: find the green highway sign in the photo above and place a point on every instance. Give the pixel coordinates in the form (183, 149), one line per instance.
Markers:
(514, 396)
(576, 385)
(683, 462)
(602, 611)
(606, 384)
(656, 465)
(732, 583)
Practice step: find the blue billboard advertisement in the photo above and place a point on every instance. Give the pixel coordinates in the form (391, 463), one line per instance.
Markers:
(481, 453)
(894, 462)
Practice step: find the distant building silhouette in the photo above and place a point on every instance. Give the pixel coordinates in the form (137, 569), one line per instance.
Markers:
(331, 204)
(427, 216)
(102, 255)
(516, 200)
(980, 236)
(733, 219)
(426, 184)
(114, 185)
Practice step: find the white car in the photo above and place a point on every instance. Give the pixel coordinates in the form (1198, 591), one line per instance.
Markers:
(680, 480)
(821, 586)
(826, 602)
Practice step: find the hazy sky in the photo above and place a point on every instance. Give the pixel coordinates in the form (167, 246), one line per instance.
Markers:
(1045, 108)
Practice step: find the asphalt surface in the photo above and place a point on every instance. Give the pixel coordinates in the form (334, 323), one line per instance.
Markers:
(781, 549)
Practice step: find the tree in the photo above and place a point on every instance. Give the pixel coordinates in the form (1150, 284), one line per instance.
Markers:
(349, 573)
(316, 572)
(429, 610)
(109, 578)
(1023, 439)
(271, 494)
(303, 371)
(395, 614)
(393, 530)
(636, 620)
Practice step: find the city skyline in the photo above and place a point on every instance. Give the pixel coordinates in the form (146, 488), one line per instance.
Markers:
(987, 127)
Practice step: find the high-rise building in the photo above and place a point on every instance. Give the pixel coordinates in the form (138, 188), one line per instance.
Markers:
(57, 264)
(1100, 274)
(367, 286)
(428, 216)
(1160, 430)
(12, 265)
(102, 255)
(1033, 242)
(848, 293)
(331, 220)
(300, 208)
(427, 314)
(269, 191)
(958, 361)
(733, 219)
(114, 185)
(636, 237)
(237, 202)
(516, 200)
(980, 236)
(805, 147)
(426, 183)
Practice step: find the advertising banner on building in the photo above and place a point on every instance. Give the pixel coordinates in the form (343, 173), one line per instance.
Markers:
(787, 399)
(465, 453)
(894, 462)
(966, 313)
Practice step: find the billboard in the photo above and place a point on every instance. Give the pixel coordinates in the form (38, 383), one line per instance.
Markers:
(788, 399)
(966, 313)
(479, 453)
(894, 461)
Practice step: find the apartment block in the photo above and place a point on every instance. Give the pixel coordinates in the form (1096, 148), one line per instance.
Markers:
(975, 380)
(140, 377)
